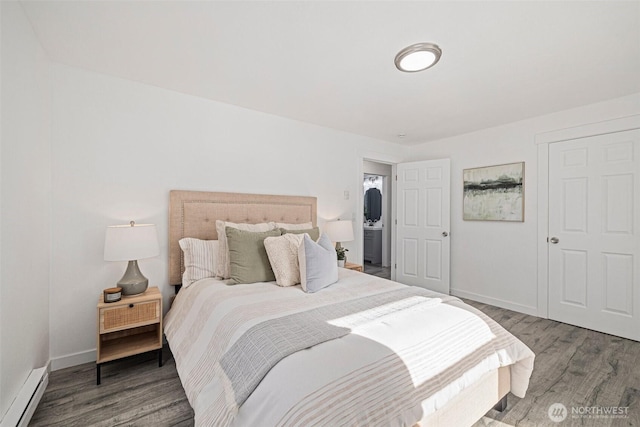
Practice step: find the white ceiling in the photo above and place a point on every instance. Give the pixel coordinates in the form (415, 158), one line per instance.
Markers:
(331, 63)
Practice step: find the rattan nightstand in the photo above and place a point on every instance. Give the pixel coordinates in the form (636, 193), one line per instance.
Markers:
(130, 326)
(352, 266)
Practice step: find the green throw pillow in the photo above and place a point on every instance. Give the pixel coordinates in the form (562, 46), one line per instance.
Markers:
(248, 257)
(314, 232)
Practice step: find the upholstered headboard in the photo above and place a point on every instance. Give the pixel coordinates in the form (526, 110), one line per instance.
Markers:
(194, 214)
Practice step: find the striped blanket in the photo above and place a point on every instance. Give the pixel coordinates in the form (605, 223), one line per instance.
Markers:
(259, 349)
(403, 357)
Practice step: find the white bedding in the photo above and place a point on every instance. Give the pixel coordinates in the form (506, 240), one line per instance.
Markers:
(392, 371)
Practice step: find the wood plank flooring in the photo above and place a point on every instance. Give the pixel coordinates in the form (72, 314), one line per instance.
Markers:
(134, 392)
(377, 270)
(574, 366)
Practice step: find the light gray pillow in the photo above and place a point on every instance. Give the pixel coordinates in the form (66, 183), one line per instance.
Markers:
(318, 263)
(248, 258)
(313, 232)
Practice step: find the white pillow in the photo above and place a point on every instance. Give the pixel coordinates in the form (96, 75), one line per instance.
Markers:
(303, 226)
(223, 264)
(318, 263)
(199, 259)
(283, 256)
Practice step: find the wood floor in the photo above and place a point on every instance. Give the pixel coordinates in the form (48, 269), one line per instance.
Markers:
(377, 270)
(575, 367)
(134, 392)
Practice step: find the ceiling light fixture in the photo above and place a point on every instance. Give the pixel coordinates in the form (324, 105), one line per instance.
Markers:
(418, 57)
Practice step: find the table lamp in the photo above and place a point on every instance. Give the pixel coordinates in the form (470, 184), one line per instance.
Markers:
(339, 231)
(131, 243)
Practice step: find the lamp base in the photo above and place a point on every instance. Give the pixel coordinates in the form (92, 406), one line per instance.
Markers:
(133, 282)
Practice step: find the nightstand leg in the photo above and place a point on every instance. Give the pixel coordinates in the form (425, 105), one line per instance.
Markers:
(98, 373)
(160, 358)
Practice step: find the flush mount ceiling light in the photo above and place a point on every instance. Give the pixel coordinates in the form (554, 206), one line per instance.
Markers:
(418, 57)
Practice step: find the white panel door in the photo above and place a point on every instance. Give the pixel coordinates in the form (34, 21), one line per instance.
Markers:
(594, 229)
(423, 218)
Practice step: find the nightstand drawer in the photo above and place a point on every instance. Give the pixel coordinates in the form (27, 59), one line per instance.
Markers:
(129, 315)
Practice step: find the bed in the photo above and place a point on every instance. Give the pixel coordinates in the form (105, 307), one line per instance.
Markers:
(391, 354)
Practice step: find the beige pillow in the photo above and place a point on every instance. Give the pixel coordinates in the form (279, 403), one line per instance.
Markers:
(314, 232)
(199, 259)
(303, 226)
(283, 256)
(223, 264)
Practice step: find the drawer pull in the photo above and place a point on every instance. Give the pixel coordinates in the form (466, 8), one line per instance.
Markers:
(130, 305)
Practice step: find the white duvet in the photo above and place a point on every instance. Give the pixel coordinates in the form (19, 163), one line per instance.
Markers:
(392, 371)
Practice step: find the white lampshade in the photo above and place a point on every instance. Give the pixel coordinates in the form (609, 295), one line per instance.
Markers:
(131, 242)
(339, 231)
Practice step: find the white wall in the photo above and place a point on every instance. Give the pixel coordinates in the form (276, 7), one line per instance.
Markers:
(376, 168)
(120, 146)
(496, 262)
(25, 220)
(116, 148)
(3, 405)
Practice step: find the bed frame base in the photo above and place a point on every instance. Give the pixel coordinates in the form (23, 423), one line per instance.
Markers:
(474, 402)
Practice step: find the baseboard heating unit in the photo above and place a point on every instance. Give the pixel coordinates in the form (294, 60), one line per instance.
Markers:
(25, 404)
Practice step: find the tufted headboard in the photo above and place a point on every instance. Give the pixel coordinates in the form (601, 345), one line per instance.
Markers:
(194, 214)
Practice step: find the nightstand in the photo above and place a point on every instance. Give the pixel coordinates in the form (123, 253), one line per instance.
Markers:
(130, 326)
(351, 266)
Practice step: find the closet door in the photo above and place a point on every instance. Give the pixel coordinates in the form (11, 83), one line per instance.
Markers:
(594, 233)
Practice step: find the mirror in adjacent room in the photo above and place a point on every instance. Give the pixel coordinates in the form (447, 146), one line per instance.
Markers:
(372, 204)
(372, 198)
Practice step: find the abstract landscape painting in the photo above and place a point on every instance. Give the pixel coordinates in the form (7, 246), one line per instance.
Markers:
(494, 193)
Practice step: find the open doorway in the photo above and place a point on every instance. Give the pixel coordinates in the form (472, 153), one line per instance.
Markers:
(376, 222)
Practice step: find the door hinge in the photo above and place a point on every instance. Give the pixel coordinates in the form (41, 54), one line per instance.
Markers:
(395, 266)
(396, 222)
(396, 177)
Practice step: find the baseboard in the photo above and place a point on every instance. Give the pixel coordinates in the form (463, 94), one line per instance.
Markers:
(26, 402)
(520, 308)
(74, 359)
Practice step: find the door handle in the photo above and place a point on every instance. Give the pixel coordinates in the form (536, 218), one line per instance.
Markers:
(445, 234)
(554, 240)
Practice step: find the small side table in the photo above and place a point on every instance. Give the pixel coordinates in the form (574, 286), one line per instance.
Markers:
(130, 326)
(352, 266)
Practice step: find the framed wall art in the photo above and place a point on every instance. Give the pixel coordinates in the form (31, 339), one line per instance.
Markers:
(494, 193)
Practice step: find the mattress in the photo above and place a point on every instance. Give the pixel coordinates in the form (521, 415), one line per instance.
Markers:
(395, 369)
